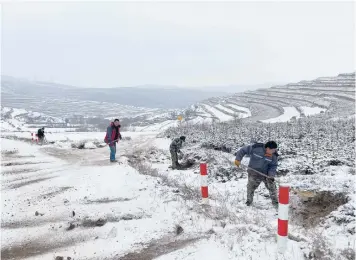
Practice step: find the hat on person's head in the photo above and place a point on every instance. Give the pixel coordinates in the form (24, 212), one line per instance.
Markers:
(116, 120)
(271, 145)
(182, 138)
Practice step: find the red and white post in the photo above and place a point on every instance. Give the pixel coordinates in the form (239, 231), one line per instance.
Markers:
(34, 137)
(204, 182)
(283, 217)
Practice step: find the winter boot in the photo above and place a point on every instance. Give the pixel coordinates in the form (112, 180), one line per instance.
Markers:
(179, 166)
(248, 203)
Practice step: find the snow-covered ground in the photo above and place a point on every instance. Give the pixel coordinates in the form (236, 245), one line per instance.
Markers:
(246, 110)
(77, 204)
(62, 138)
(220, 115)
(60, 201)
(310, 111)
(157, 126)
(289, 113)
(74, 203)
(225, 109)
(199, 120)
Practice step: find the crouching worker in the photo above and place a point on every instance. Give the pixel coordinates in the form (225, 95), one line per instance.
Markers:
(41, 134)
(263, 159)
(174, 148)
(112, 137)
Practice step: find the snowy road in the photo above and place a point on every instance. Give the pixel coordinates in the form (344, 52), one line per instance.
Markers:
(77, 205)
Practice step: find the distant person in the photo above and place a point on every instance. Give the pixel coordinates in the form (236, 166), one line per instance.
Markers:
(112, 137)
(263, 159)
(174, 148)
(41, 134)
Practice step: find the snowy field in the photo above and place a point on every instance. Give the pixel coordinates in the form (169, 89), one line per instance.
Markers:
(289, 113)
(220, 115)
(247, 112)
(59, 201)
(74, 136)
(310, 111)
(156, 126)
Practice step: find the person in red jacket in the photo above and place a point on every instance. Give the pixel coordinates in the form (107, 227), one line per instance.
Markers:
(112, 137)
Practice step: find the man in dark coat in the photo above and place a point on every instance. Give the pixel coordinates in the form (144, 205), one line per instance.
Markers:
(40, 134)
(174, 148)
(263, 159)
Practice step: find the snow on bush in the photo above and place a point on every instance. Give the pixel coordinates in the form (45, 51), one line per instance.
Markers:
(315, 155)
(306, 147)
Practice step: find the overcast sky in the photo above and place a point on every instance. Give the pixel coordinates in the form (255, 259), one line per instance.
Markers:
(186, 44)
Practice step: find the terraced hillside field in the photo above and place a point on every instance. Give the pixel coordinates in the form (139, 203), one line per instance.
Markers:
(334, 96)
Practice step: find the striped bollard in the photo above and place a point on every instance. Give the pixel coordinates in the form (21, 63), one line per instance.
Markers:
(283, 217)
(33, 137)
(204, 182)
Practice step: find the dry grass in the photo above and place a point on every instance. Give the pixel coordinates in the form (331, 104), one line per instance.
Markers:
(220, 204)
(9, 152)
(320, 248)
(348, 253)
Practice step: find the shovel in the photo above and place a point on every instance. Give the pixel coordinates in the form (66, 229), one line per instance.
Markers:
(301, 193)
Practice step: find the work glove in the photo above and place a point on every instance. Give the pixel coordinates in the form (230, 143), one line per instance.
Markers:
(271, 179)
(237, 163)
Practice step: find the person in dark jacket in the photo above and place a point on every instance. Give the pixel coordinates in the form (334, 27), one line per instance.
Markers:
(113, 135)
(174, 148)
(40, 134)
(263, 159)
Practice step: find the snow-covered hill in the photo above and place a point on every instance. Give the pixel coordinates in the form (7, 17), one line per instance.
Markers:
(13, 119)
(334, 96)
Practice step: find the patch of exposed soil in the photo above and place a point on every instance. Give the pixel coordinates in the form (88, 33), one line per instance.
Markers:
(38, 247)
(54, 193)
(89, 222)
(20, 163)
(62, 154)
(106, 200)
(9, 152)
(30, 223)
(19, 171)
(311, 210)
(19, 185)
(158, 248)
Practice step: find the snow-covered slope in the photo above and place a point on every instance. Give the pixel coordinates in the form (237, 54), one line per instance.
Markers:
(316, 157)
(332, 95)
(13, 119)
